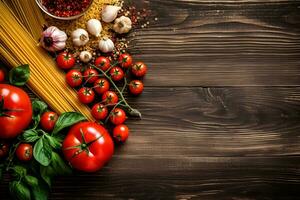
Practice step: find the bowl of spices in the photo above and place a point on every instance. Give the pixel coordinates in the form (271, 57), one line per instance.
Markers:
(64, 9)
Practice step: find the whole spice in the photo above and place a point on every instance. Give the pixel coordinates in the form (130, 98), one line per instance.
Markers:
(122, 25)
(53, 39)
(109, 13)
(80, 37)
(94, 27)
(106, 45)
(85, 56)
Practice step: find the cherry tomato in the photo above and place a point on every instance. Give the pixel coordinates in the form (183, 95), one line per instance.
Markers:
(101, 85)
(65, 60)
(121, 133)
(88, 146)
(110, 97)
(86, 95)
(90, 75)
(4, 148)
(139, 69)
(48, 120)
(125, 60)
(2, 75)
(116, 73)
(74, 78)
(24, 152)
(118, 116)
(102, 63)
(136, 87)
(99, 111)
(15, 111)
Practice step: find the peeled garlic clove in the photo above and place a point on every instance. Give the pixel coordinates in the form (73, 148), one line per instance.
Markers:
(85, 56)
(80, 37)
(94, 27)
(106, 45)
(109, 13)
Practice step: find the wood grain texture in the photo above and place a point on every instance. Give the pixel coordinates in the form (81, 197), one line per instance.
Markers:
(221, 43)
(195, 143)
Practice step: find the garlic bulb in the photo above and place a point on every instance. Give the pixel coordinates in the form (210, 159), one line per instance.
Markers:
(85, 56)
(94, 27)
(80, 37)
(53, 39)
(109, 13)
(106, 45)
(122, 25)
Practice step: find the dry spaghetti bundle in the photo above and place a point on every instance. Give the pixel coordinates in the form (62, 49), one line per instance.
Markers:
(47, 82)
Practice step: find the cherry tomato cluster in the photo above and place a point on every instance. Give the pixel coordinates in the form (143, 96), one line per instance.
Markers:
(96, 86)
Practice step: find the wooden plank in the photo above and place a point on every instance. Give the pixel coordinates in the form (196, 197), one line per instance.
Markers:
(224, 43)
(193, 142)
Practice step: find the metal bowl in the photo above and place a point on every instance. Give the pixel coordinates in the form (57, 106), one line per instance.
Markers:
(44, 9)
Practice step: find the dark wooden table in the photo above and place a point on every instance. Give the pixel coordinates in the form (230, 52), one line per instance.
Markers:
(221, 107)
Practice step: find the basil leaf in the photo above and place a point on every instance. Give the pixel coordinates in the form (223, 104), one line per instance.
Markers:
(42, 151)
(38, 107)
(19, 190)
(40, 192)
(59, 165)
(54, 142)
(19, 75)
(67, 119)
(47, 173)
(30, 135)
(19, 171)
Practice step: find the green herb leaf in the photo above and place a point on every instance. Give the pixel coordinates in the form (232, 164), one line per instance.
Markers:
(40, 192)
(30, 135)
(42, 151)
(67, 119)
(54, 142)
(59, 165)
(31, 181)
(19, 75)
(19, 171)
(19, 190)
(47, 173)
(38, 107)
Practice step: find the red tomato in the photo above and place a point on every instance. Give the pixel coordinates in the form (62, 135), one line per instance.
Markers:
(90, 75)
(139, 69)
(4, 148)
(102, 63)
(121, 133)
(99, 111)
(15, 111)
(118, 116)
(65, 60)
(2, 75)
(101, 85)
(86, 95)
(48, 120)
(125, 60)
(116, 73)
(110, 97)
(136, 87)
(74, 78)
(88, 146)
(24, 152)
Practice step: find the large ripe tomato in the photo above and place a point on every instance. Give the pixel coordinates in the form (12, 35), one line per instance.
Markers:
(101, 85)
(102, 63)
(118, 116)
(15, 111)
(125, 60)
(88, 146)
(136, 87)
(116, 73)
(65, 60)
(74, 78)
(48, 120)
(139, 69)
(86, 95)
(24, 152)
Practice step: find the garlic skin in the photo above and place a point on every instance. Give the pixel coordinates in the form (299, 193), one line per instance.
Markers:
(109, 13)
(94, 27)
(122, 25)
(53, 39)
(80, 37)
(85, 56)
(106, 45)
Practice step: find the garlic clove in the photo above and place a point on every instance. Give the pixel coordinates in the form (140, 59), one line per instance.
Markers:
(80, 37)
(106, 45)
(94, 27)
(53, 39)
(109, 13)
(122, 25)
(85, 56)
